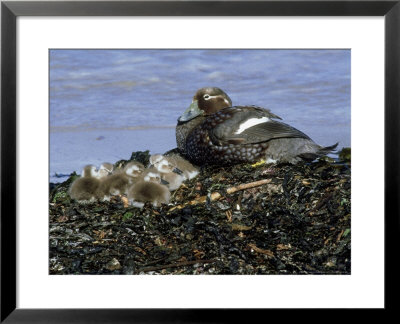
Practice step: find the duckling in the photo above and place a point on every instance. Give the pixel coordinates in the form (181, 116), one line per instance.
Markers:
(114, 184)
(157, 161)
(172, 180)
(149, 189)
(134, 169)
(106, 169)
(168, 171)
(84, 188)
(188, 170)
(174, 169)
(212, 131)
(119, 182)
(151, 174)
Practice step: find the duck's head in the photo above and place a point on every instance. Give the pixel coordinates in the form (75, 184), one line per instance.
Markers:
(205, 102)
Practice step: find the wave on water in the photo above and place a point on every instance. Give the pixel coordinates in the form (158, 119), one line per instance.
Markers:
(64, 129)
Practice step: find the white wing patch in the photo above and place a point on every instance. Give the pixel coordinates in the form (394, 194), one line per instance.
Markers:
(269, 160)
(250, 123)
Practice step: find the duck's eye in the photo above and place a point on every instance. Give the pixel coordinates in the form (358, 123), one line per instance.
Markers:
(206, 96)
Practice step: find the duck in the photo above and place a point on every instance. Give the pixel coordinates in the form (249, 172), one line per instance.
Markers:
(149, 189)
(212, 131)
(84, 189)
(119, 181)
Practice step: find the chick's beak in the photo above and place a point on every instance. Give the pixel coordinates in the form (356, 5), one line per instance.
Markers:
(177, 171)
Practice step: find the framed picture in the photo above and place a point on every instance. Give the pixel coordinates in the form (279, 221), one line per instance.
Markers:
(108, 80)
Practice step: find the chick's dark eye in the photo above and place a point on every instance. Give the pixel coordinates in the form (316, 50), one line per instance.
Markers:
(206, 96)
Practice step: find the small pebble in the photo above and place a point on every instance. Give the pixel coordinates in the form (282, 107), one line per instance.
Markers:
(113, 265)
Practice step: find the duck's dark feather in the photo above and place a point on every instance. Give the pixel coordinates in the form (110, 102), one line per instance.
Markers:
(224, 124)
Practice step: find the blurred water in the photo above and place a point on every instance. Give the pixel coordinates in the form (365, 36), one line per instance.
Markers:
(105, 104)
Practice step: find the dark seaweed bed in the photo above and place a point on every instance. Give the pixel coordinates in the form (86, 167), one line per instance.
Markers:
(297, 223)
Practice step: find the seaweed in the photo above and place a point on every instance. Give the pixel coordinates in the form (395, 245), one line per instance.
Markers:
(241, 219)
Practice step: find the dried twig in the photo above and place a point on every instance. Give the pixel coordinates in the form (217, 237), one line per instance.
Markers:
(263, 251)
(248, 185)
(340, 235)
(230, 190)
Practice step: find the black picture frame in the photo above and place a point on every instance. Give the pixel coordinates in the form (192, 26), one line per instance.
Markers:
(10, 10)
